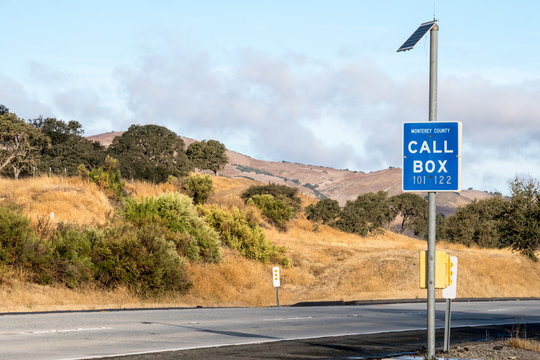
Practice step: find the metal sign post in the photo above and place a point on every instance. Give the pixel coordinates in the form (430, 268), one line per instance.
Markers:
(409, 44)
(432, 214)
(447, 324)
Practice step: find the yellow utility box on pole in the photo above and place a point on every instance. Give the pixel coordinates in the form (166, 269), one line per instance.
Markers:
(442, 275)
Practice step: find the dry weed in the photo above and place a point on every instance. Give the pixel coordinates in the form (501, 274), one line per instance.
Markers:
(525, 344)
(139, 189)
(520, 341)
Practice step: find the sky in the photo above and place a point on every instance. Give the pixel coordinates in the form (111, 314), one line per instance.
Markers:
(307, 81)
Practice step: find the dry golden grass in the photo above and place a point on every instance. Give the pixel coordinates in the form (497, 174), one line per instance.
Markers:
(327, 264)
(22, 296)
(72, 200)
(525, 344)
(139, 189)
(227, 191)
(236, 281)
(331, 265)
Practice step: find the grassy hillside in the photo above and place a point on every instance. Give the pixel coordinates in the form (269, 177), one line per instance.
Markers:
(327, 264)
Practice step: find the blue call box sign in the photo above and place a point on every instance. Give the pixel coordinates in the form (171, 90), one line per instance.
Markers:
(432, 156)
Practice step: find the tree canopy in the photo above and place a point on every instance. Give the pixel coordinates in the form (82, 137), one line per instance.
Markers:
(150, 152)
(412, 208)
(368, 213)
(144, 152)
(519, 225)
(477, 223)
(207, 155)
(69, 148)
(20, 145)
(325, 211)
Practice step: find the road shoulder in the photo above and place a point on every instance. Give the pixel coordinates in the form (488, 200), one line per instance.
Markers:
(368, 346)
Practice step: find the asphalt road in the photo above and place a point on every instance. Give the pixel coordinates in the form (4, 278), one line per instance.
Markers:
(84, 335)
(364, 346)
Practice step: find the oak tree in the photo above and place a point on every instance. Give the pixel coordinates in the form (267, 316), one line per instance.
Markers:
(150, 152)
(520, 221)
(207, 155)
(20, 145)
(69, 148)
(412, 209)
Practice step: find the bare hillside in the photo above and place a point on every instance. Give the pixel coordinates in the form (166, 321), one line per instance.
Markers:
(105, 139)
(320, 182)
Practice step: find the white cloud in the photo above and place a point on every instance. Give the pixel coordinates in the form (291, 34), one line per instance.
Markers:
(17, 99)
(46, 75)
(85, 94)
(344, 115)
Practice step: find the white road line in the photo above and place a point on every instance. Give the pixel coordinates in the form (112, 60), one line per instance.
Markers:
(496, 310)
(291, 318)
(414, 313)
(54, 331)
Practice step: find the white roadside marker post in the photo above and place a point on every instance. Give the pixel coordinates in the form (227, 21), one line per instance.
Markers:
(275, 279)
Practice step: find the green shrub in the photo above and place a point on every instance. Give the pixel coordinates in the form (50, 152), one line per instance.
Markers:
(284, 193)
(199, 187)
(144, 257)
(274, 209)
(278, 203)
(176, 212)
(19, 245)
(68, 254)
(186, 244)
(243, 168)
(108, 178)
(240, 230)
(83, 172)
(139, 258)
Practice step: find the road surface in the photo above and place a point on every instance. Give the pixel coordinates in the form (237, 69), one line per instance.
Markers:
(84, 335)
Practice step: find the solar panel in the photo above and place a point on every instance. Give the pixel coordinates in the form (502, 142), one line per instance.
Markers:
(417, 35)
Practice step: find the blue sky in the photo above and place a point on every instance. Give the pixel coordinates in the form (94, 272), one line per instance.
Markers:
(315, 82)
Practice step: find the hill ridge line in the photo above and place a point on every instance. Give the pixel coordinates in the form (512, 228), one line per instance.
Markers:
(321, 181)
